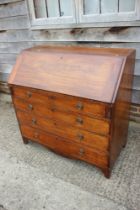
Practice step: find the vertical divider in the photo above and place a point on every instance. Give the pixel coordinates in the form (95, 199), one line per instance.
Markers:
(100, 8)
(46, 8)
(59, 8)
(40, 8)
(78, 10)
(118, 5)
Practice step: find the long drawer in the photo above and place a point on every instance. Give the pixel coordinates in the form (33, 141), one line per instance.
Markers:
(72, 133)
(77, 120)
(64, 147)
(61, 102)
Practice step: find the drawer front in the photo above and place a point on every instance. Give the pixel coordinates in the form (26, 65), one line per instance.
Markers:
(61, 102)
(73, 134)
(80, 121)
(64, 147)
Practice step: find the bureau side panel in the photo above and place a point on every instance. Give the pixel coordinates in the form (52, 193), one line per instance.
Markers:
(121, 110)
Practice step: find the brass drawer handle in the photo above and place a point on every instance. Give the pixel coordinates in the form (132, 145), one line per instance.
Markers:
(79, 106)
(29, 94)
(79, 120)
(81, 151)
(34, 121)
(80, 136)
(36, 135)
(30, 106)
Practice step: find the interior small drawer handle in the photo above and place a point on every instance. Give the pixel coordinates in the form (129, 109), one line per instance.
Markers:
(80, 106)
(34, 121)
(79, 120)
(29, 94)
(30, 107)
(81, 151)
(80, 136)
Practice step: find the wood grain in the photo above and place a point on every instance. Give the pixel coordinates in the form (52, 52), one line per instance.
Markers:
(17, 22)
(121, 110)
(97, 128)
(60, 69)
(103, 34)
(16, 46)
(66, 148)
(13, 9)
(63, 130)
(9, 1)
(61, 102)
(50, 111)
(9, 58)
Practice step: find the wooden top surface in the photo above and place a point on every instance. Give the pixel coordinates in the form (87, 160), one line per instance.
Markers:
(83, 72)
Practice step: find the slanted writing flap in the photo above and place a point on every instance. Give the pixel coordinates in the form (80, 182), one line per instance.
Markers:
(93, 75)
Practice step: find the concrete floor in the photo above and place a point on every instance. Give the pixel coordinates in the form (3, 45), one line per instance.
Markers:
(24, 187)
(27, 182)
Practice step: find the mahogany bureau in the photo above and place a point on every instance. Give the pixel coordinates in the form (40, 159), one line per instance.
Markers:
(75, 100)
